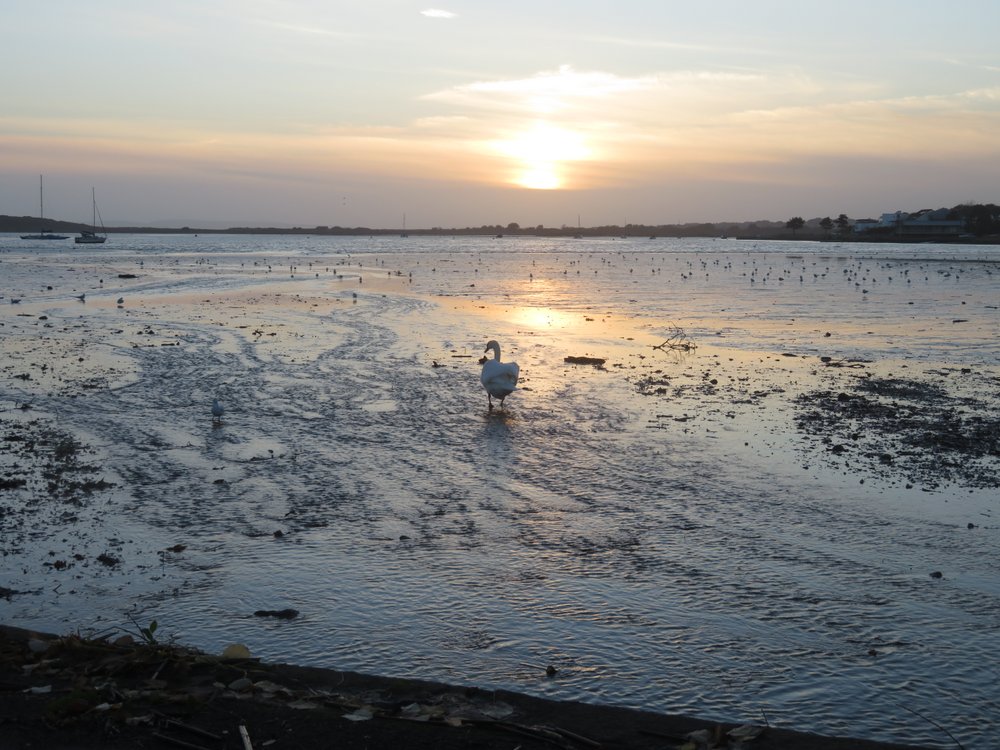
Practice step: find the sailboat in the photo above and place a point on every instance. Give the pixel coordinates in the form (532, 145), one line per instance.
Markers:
(42, 233)
(403, 233)
(579, 234)
(92, 237)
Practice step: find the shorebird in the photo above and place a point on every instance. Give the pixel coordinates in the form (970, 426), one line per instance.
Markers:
(498, 378)
(217, 411)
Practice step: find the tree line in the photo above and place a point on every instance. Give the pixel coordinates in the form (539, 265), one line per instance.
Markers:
(980, 220)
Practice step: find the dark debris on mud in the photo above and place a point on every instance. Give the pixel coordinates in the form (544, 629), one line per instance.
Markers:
(917, 430)
(48, 479)
(50, 464)
(931, 429)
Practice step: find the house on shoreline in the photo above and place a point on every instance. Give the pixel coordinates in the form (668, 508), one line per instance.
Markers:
(923, 223)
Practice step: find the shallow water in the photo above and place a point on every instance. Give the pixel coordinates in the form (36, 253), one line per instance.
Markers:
(677, 554)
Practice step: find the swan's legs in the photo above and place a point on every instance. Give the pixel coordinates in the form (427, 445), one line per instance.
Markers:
(488, 396)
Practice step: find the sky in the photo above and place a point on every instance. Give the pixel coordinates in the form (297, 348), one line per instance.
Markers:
(458, 113)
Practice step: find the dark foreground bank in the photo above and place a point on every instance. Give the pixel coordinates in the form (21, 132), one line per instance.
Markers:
(62, 693)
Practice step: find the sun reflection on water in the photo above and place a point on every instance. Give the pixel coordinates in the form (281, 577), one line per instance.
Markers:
(543, 318)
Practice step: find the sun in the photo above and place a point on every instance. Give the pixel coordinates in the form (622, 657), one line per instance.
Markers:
(539, 177)
(539, 154)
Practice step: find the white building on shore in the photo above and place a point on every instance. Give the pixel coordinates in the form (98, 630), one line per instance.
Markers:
(923, 223)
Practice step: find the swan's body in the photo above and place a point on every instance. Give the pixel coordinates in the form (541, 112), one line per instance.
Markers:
(498, 378)
(217, 411)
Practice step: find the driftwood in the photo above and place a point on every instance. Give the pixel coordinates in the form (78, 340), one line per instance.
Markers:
(245, 736)
(281, 614)
(595, 361)
(173, 723)
(852, 363)
(677, 341)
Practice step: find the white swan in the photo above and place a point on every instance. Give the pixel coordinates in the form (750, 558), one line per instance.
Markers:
(498, 378)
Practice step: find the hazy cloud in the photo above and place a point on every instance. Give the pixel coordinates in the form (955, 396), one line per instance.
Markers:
(312, 30)
(645, 43)
(545, 92)
(437, 13)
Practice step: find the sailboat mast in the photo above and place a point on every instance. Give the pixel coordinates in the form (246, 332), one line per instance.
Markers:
(42, 234)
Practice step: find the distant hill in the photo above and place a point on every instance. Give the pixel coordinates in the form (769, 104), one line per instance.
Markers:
(22, 224)
(33, 224)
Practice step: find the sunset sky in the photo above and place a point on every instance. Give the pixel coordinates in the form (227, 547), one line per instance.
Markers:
(308, 112)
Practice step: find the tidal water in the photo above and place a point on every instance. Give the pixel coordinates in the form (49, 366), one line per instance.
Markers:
(679, 555)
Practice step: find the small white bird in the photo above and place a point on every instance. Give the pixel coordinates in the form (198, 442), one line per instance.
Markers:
(498, 378)
(217, 411)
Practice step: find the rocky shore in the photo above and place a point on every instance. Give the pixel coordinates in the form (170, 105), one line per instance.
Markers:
(70, 692)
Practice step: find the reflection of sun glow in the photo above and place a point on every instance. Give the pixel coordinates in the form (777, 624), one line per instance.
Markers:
(542, 317)
(539, 152)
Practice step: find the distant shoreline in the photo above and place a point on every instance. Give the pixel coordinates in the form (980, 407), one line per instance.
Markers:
(773, 231)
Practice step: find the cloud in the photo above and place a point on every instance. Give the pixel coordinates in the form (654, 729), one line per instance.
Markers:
(438, 13)
(544, 93)
(566, 128)
(661, 44)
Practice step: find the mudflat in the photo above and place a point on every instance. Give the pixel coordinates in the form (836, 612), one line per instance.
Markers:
(790, 508)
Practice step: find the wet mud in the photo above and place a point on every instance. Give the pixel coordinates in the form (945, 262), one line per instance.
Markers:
(928, 431)
(675, 530)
